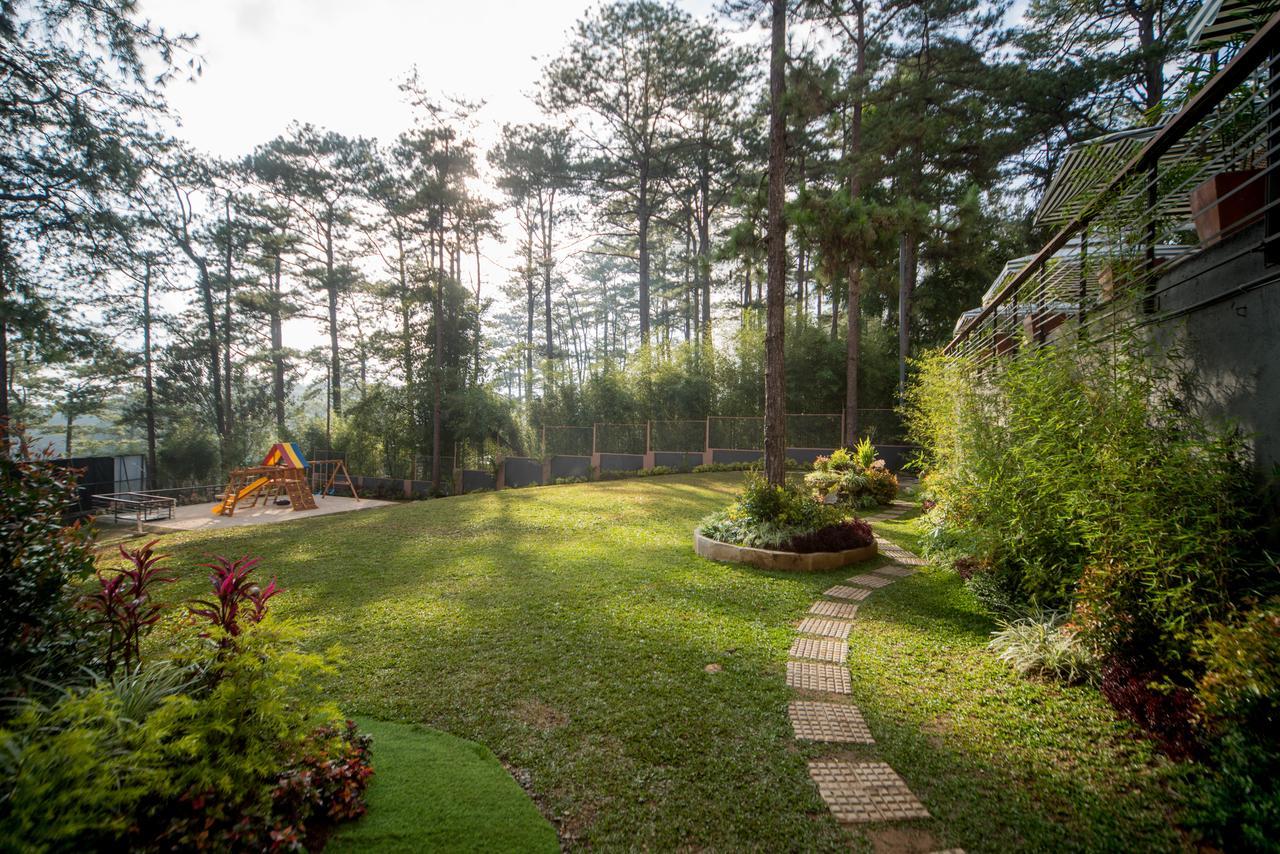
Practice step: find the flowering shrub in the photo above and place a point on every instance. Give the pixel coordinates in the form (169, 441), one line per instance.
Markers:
(227, 745)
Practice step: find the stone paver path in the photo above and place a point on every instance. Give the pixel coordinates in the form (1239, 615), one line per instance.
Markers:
(896, 570)
(808, 676)
(855, 791)
(898, 554)
(820, 649)
(838, 722)
(870, 579)
(825, 627)
(843, 591)
(841, 610)
(864, 791)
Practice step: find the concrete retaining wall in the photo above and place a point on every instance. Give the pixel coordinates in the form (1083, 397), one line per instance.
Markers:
(476, 479)
(677, 459)
(724, 455)
(522, 471)
(621, 462)
(570, 466)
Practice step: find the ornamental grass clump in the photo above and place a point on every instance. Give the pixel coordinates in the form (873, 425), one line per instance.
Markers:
(1044, 644)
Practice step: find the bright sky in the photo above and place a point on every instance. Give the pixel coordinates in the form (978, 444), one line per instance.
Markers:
(337, 63)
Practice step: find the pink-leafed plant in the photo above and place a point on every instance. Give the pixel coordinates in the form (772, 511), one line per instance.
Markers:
(236, 595)
(124, 605)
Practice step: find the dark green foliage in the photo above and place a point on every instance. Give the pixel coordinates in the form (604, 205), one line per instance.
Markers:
(42, 635)
(1240, 690)
(1080, 475)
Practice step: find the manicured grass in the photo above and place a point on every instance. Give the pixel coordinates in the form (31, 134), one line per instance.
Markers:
(568, 629)
(432, 791)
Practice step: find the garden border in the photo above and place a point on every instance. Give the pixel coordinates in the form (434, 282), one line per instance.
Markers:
(787, 561)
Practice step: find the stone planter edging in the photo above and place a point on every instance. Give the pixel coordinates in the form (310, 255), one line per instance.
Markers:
(786, 561)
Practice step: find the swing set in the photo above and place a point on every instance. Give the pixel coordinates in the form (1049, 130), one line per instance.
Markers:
(283, 474)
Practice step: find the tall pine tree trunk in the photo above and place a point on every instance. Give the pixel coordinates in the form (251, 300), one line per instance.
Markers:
(531, 300)
(331, 288)
(642, 238)
(211, 329)
(4, 347)
(148, 385)
(906, 287)
(277, 349)
(853, 297)
(775, 385)
(475, 245)
(227, 292)
(548, 224)
(437, 364)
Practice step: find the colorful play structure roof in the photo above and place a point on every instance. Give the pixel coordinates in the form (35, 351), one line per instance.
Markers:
(286, 454)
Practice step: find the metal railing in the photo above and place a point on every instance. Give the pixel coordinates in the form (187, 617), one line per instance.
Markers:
(1161, 232)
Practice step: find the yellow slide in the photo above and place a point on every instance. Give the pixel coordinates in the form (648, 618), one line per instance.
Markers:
(230, 502)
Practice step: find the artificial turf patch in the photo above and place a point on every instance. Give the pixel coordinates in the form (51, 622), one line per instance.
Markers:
(432, 791)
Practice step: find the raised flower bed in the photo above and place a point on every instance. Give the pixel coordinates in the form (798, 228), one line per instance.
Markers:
(780, 560)
(784, 528)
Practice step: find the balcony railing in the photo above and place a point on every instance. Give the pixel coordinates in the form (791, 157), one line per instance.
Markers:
(1149, 211)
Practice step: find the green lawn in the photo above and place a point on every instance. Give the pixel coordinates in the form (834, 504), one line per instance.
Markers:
(569, 628)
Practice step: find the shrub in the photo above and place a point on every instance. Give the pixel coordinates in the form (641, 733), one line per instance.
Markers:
(250, 724)
(848, 534)
(1167, 712)
(1240, 690)
(768, 516)
(855, 478)
(43, 635)
(75, 772)
(864, 454)
(1091, 483)
(227, 745)
(124, 605)
(236, 596)
(1041, 644)
(882, 484)
(1241, 683)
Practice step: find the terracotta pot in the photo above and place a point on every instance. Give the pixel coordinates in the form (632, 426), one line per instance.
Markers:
(1226, 203)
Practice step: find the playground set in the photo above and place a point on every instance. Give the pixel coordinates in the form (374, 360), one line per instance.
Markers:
(285, 476)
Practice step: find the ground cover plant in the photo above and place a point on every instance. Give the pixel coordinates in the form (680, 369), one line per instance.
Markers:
(1081, 478)
(600, 701)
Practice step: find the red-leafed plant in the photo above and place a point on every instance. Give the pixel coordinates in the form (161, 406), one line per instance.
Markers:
(236, 595)
(124, 606)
